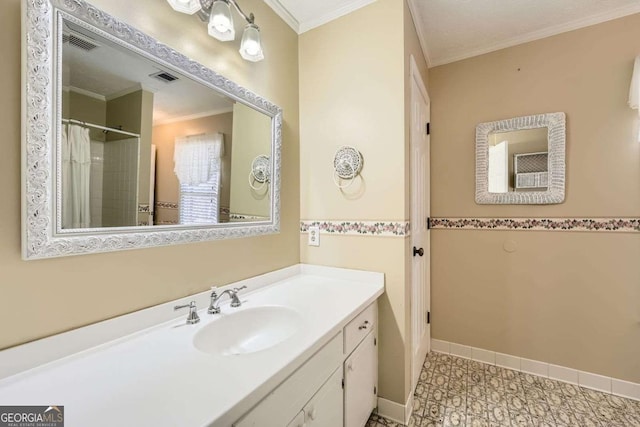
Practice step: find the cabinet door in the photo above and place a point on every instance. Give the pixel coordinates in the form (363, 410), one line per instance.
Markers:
(298, 421)
(360, 382)
(325, 407)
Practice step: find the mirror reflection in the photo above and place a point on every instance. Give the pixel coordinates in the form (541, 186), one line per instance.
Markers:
(518, 161)
(144, 145)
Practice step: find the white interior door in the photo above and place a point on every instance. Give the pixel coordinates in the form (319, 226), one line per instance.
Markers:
(420, 211)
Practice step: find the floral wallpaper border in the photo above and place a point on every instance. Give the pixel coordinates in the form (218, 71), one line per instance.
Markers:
(402, 228)
(238, 216)
(360, 228)
(539, 224)
(166, 205)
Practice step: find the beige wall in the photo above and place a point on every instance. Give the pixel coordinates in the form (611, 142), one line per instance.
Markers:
(352, 92)
(164, 136)
(84, 108)
(87, 109)
(133, 112)
(60, 294)
(252, 133)
(565, 298)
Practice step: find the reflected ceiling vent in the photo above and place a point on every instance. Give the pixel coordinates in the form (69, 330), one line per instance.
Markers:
(81, 42)
(164, 76)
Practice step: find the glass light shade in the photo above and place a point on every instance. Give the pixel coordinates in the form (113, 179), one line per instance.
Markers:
(185, 6)
(251, 46)
(221, 21)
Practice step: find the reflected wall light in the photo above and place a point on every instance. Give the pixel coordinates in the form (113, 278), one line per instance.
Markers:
(217, 14)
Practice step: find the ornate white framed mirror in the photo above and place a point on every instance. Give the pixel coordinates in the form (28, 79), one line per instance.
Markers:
(128, 143)
(521, 160)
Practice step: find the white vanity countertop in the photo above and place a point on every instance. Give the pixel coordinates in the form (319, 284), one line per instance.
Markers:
(156, 377)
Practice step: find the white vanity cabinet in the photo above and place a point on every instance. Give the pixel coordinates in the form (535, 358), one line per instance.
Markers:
(284, 403)
(298, 421)
(325, 408)
(361, 367)
(336, 387)
(360, 382)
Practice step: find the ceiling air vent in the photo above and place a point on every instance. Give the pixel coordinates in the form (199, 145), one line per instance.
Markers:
(164, 76)
(80, 42)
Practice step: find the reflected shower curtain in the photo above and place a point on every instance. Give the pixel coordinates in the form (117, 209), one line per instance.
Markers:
(76, 168)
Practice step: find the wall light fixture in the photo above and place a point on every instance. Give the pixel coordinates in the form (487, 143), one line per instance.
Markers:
(217, 15)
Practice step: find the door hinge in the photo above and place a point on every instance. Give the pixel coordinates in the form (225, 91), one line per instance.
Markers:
(375, 341)
(428, 223)
(343, 383)
(375, 390)
(427, 128)
(428, 317)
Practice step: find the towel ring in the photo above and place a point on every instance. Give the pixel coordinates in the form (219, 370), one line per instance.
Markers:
(347, 164)
(260, 172)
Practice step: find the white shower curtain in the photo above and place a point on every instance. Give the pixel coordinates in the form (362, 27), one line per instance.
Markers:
(76, 168)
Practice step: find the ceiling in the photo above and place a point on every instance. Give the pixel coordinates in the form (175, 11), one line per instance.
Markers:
(303, 15)
(451, 30)
(109, 71)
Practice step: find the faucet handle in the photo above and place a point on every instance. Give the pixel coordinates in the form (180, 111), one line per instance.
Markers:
(192, 317)
(192, 304)
(235, 301)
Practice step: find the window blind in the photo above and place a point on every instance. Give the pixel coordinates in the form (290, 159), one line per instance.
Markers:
(199, 203)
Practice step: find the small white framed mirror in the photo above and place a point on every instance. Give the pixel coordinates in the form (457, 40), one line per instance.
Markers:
(521, 160)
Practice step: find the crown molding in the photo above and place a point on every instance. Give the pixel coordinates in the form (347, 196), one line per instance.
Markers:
(283, 13)
(193, 116)
(334, 14)
(84, 92)
(419, 26)
(540, 34)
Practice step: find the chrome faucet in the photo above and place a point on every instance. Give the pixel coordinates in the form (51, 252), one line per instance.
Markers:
(192, 317)
(214, 307)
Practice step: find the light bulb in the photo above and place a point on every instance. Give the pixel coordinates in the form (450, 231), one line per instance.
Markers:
(220, 23)
(185, 6)
(251, 47)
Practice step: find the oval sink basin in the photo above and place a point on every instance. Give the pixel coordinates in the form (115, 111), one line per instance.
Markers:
(248, 331)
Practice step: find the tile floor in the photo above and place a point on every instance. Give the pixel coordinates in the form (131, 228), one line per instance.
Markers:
(458, 392)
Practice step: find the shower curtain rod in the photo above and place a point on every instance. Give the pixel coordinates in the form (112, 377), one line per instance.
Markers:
(91, 125)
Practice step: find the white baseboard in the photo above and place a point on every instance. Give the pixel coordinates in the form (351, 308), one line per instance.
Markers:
(396, 411)
(560, 373)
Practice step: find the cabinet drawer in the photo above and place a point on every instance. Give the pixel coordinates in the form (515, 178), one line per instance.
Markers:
(359, 327)
(282, 404)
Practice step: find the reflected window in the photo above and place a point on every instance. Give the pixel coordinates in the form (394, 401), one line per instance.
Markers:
(198, 167)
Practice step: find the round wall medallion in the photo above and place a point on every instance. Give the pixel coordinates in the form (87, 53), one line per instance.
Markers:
(347, 162)
(260, 169)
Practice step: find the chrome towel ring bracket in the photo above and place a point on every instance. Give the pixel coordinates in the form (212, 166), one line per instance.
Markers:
(347, 164)
(260, 172)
